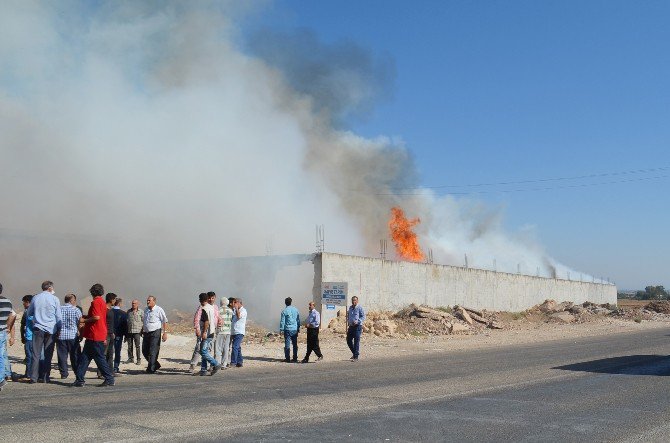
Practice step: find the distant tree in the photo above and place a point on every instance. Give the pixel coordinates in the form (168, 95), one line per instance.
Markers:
(653, 293)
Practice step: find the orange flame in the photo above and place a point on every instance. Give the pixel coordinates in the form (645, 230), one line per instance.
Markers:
(406, 245)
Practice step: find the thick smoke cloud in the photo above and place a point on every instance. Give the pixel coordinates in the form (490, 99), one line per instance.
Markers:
(343, 79)
(137, 132)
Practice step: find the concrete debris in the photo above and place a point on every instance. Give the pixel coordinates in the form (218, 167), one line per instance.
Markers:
(458, 328)
(547, 306)
(463, 315)
(495, 325)
(473, 311)
(478, 317)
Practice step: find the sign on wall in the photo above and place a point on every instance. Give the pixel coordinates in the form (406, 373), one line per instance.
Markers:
(334, 293)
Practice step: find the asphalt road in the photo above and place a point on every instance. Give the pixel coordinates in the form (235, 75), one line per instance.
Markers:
(609, 388)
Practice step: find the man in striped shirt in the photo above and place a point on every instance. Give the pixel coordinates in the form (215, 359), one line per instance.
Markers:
(222, 345)
(134, 316)
(67, 344)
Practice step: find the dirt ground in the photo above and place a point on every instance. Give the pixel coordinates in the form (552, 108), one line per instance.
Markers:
(262, 348)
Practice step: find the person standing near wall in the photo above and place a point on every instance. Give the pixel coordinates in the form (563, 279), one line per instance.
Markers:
(208, 330)
(94, 330)
(355, 319)
(195, 357)
(67, 345)
(289, 325)
(110, 298)
(7, 317)
(47, 320)
(155, 330)
(313, 324)
(222, 345)
(238, 329)
(120, 332)
(134, 319)
(27, 336)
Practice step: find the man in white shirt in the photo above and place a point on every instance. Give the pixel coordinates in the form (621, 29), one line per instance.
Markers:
(154, 322)
(238, 330)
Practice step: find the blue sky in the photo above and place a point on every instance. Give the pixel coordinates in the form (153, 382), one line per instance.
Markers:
(501, 91)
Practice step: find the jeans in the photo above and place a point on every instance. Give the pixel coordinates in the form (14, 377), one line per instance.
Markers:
(65, 349)
(28, 348)
(290, 337)
(118, 343)
(222, 348)
(354, 338)
(94, 350)
(134, 341)
(313, 343)
(42, 342)
(151, 346)
(236, 357)
(4, 358)
(204, 353)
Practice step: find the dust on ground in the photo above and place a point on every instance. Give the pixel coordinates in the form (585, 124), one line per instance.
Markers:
(422, 329)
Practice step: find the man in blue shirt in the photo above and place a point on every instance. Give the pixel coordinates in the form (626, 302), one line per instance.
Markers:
(27, 335)
(289, 325)
(312, 324)
(355, 319)
(46, 313)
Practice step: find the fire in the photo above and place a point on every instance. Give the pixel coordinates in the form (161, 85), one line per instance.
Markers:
(406, 245)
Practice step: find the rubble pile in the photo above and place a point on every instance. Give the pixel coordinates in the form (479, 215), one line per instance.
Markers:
(661, 306)
(568, 312)
(423, 320)
(418, 320)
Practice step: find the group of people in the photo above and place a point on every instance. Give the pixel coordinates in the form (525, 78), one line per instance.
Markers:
(289, 327)
(47, 325)
(218, 334)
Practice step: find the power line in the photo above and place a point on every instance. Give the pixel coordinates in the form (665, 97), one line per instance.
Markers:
(548, 188)
(541, 180)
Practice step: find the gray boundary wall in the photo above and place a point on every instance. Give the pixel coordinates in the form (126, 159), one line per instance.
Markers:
(392, 285)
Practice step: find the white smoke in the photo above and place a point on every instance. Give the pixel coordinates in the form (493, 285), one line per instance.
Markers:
(135, 131)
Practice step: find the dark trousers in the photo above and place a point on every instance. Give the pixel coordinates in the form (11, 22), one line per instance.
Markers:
(134, 341)
(42, 341)
(94, 350)
(313, 343)
(118, 343)
(109, 351)
(67, 349)
(354, 339)
(151, 346)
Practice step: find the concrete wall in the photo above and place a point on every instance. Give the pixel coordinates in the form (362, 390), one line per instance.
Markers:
(390, 285)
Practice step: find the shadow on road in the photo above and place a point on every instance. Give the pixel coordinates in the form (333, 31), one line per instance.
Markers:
(181, 361)
(625, 365)
(263, 359)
